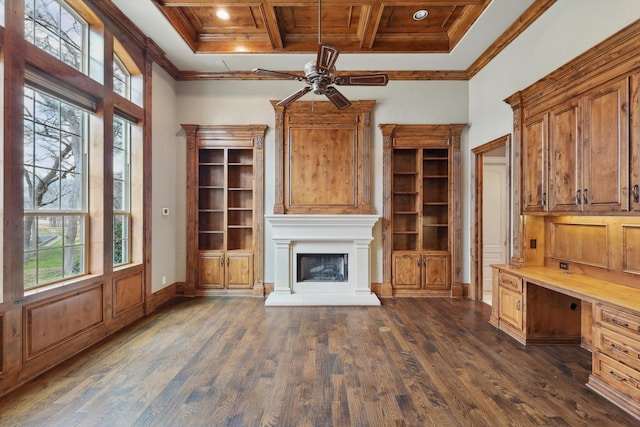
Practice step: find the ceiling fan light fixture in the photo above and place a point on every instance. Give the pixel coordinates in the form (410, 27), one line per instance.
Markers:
(223, 14)
(420, 14)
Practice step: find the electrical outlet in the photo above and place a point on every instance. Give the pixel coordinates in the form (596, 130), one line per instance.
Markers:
(164, 280)
(564, 266)
(533, 243)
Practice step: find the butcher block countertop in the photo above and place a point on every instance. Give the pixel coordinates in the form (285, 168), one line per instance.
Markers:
(577, 285)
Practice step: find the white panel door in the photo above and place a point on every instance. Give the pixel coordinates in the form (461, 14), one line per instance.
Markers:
(494, 217)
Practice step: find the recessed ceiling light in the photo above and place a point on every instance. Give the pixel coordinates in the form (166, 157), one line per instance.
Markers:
(223, 14)
(419, 15)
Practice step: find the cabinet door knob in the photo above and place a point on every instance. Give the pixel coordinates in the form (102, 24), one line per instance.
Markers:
(636, 193)
(578, 197)
(222, 261)
(584, 196)
(544, 199)
(518, 305)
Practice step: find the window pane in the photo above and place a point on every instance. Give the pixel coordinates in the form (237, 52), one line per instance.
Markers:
(28, 143)
(118, 196)
(121, 78)
(73, 245)
(49, 265)
(71, 196)
(120, 239)
(119, 164)
(47, 110)
(118, 133)
(47, 189)
(71, 153)
(47, 13)
(28, 179)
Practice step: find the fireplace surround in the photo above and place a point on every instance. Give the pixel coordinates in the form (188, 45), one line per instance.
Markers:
(328, 237)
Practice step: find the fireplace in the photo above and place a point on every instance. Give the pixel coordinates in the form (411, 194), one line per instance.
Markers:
(322, 260)
(322, 267)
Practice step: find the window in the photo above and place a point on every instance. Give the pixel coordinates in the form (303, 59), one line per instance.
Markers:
(55, 189)
(121, 191)
(121, 79)
(55, 28)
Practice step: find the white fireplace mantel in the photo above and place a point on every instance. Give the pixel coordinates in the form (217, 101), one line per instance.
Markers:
(351, 234)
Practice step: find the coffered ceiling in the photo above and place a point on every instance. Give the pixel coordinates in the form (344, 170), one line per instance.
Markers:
(453, 41)
(272, 26)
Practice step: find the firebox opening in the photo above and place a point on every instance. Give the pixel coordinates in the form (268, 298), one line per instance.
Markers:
(322, 268)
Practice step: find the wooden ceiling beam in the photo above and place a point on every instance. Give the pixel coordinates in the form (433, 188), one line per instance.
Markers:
(272, 26)
(408, 75)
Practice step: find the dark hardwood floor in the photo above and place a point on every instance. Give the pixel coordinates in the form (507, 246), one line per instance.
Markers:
(234, 362)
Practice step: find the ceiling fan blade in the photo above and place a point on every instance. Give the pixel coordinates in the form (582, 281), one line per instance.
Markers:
(379, 79)
(327, 57)
(294, 96)
(337, 98)
(279, 74)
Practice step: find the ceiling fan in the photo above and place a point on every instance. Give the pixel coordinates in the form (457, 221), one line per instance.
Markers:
(320, 76)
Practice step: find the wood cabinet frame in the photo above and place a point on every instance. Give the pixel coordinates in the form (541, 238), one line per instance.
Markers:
(317, 119)
(225, 137)
(420, 136)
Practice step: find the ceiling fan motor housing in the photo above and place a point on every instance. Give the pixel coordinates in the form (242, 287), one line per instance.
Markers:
(319, 81)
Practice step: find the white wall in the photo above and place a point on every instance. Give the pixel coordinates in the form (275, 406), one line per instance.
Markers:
(247, 102)
(567, 29)
(167, 232)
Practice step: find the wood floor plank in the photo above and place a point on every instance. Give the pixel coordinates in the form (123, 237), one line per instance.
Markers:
(235, 362)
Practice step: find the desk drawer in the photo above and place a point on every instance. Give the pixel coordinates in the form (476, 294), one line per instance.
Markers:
(615, 319)
(617, 346)
(617, 375)
(510, 281)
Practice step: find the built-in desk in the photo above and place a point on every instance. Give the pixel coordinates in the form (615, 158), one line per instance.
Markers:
(545, 306)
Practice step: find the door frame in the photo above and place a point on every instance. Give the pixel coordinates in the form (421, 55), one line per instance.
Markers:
(477, 171)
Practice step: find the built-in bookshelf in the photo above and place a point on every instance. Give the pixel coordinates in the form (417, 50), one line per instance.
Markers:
(226, 208)
(421, 227)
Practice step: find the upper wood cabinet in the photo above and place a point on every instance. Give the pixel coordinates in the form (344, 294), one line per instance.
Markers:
(590, 151)
(605, 148)
(421, 221)
(225, 208)
(535, 149)
(575, 154)
(634, 137)
(565, 181)
(323, 158)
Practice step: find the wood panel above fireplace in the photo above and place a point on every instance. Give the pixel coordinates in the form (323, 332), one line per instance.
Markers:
(323, 158)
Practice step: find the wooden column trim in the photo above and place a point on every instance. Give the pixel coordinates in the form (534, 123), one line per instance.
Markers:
(192, 208)
(258, 208)
(147, 184)
(13, 206)
(278, 205)
(517, 231)
(455, 229)
(387, 238)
